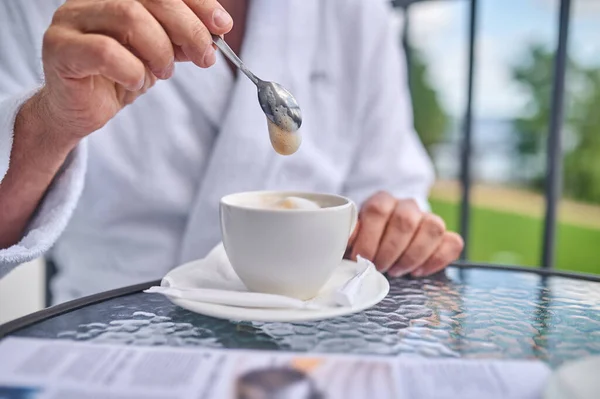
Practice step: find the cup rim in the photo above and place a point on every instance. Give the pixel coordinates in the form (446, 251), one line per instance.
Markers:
(226, 201)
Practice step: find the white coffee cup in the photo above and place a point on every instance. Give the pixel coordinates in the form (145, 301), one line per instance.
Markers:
(290, 252)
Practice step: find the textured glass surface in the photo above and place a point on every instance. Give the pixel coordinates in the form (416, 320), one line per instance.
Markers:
(470, 313)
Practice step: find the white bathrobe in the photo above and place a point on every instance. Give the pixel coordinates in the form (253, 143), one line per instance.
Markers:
(141, 195)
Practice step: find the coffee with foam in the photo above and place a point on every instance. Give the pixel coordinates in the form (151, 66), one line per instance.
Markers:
(276, 202)
(295, 203)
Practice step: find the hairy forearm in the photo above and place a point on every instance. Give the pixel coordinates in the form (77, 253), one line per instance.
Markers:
(37, 154)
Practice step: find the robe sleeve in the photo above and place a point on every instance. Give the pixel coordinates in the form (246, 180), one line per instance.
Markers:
(389, 155)
(20, 76)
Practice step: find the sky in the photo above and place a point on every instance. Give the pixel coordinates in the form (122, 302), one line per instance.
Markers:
(506, 28)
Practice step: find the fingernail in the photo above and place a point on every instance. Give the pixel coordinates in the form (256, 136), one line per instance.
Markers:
(165, 73)
(209, 56)
(418, 273)
(397, 273)
(141, 84)
(168, 72)
(221, 18)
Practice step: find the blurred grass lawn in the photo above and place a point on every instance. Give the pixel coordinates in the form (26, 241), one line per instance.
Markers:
(505, 237)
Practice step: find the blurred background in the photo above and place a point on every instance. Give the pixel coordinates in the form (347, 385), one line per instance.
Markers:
(515, 46)
(513, 78)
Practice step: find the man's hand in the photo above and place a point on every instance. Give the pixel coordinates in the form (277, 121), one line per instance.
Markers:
(401, 239)
(99, 56)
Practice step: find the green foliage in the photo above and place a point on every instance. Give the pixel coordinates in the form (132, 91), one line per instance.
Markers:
(581, 174)
(582, 165)
(509, 238)
(430, 118)
(534, 74)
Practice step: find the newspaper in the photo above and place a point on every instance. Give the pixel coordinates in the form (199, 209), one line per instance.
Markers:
(56, 369)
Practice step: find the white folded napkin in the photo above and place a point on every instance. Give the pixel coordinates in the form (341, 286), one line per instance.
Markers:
(213, 280)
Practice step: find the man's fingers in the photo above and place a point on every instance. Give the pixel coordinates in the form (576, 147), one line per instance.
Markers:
(127, 97)
(422, 246)
(76, 56)
(185, 29)
(157, 31)
(373, 219)
(449, 250)
(180, 56)
(400, 229)
(128, 22)
(400, 239)
(212, 14)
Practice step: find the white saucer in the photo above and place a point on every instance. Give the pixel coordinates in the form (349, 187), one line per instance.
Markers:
(374, 288)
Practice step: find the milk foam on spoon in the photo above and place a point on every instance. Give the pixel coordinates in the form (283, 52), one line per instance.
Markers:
(284, 142)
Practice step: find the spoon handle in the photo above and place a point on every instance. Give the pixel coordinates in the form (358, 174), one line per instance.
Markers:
(229, 53)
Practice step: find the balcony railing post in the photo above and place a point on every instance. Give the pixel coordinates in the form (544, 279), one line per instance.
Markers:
(554, 156)
(466, 148)
(406, 45)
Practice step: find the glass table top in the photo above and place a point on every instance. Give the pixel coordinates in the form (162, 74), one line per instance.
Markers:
(470, 313)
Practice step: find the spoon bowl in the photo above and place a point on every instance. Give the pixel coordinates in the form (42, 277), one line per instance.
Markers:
(278, 104)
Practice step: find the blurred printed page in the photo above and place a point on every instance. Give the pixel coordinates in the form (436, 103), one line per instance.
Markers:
(53, 369)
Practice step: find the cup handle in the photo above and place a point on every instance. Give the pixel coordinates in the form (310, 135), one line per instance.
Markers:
(354, 218)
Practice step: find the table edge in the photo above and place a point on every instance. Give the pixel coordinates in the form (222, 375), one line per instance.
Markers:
(57, 310)
(595, 278)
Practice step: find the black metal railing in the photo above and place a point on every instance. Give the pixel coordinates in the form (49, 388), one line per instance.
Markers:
(554, 157)
(553, 184)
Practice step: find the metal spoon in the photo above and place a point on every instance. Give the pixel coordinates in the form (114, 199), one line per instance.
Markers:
(276, 102)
